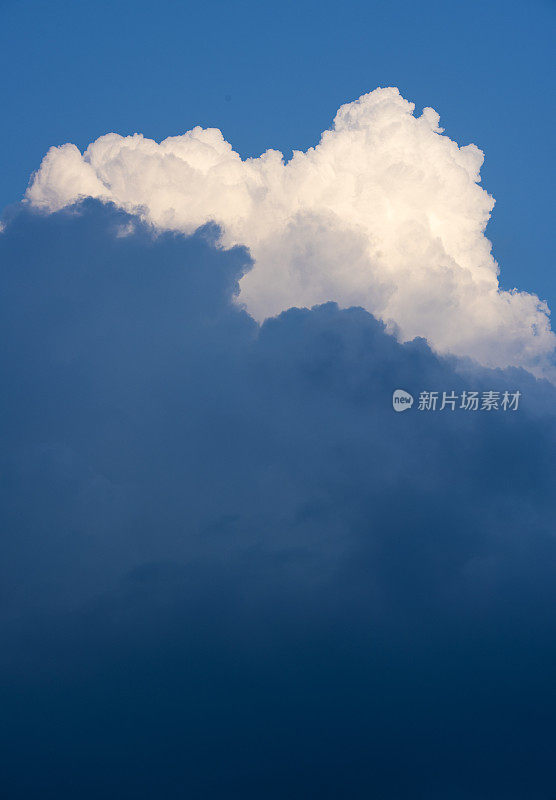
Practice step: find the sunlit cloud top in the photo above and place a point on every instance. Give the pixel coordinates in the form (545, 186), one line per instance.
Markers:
(386, 212)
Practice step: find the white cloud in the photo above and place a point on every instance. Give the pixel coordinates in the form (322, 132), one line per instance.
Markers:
(385, 212)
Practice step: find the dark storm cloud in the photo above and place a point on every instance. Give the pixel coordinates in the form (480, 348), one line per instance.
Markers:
(229, 569)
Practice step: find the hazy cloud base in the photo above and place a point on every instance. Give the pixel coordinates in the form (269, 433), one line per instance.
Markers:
(229, 569)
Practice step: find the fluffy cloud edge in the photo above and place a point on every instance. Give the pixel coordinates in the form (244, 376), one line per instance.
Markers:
(386, 212)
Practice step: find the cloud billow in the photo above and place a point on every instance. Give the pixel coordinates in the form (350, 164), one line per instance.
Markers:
(386, 212)
(229, 568)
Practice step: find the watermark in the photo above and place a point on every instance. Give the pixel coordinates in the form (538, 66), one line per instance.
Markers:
(401, 400)
(452, 401)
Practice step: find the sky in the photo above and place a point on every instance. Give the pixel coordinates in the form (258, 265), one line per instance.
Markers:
(231, 566)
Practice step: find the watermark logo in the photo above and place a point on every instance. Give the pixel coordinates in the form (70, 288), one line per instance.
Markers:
(451, 401)
(401, 400)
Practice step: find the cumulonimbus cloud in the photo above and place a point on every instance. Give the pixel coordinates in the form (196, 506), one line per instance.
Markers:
(385, 212)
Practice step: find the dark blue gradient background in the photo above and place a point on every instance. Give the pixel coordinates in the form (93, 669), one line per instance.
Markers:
(229, 569)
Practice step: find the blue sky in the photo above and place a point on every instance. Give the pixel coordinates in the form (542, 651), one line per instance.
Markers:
(73, 71)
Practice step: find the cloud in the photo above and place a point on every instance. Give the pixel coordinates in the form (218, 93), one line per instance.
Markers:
(229, 568)
(385, 213)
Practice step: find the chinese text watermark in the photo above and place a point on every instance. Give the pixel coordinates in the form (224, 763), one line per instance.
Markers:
(453, 401)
